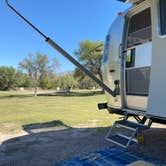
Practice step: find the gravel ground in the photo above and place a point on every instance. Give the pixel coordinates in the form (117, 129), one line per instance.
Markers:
(52, 147)
(154, 145)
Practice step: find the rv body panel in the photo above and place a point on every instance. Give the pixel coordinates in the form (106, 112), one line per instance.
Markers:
(111, 61)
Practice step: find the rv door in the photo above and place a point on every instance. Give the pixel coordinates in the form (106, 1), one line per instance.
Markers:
(138, 57)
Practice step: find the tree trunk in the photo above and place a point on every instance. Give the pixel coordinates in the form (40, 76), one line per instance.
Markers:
(35, 89)
(101, 78)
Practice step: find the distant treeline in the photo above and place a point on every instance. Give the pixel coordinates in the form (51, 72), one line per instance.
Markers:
(38, 71)
(13, 79)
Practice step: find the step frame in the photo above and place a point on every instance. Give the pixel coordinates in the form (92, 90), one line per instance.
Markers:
(132, 138)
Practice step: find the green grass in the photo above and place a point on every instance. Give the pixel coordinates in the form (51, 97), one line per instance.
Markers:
(76, 109)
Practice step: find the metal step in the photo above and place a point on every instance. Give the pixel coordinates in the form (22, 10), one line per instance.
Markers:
(119, 140)
(129, 138)
(125, 133)
(130, 125)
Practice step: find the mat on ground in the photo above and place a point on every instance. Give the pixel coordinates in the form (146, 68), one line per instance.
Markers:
(113, 156)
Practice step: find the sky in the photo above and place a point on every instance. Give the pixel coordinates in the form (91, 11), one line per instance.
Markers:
(67, 22)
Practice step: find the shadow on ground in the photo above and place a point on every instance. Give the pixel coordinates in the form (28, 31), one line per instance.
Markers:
(6, 96)
(50, 143)
(42, 127)
(53, 142)
(62, 93)
(73, 94)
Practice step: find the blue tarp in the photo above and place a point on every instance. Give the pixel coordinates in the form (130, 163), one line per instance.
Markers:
(113, 156)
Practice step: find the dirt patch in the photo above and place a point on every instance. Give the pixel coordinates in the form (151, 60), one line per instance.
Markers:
(4, 137)
(92, 123)
(9, 128)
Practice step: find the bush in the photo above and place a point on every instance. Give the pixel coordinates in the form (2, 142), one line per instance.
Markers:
(8, 79)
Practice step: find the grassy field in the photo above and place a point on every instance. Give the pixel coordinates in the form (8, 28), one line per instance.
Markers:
(76, 109)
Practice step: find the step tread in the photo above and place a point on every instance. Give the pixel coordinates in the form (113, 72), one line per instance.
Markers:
(120, 140)
(130, 124)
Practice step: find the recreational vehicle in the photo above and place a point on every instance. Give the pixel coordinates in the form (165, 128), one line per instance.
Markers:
(134, 60)
(133, 68)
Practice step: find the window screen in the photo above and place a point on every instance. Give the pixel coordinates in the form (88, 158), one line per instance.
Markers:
(140, 30)
(163, 17)
(137, 81)
(140, 21)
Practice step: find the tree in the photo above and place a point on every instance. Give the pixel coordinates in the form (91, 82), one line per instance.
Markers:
(67, 81)
(90, 54)
(8, 79)
(64, 81)
(38, 68)
(23, 80)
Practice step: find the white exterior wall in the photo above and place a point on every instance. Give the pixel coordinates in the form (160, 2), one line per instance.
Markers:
(157, 91)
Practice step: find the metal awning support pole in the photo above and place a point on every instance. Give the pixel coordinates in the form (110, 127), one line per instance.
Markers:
(63, 52)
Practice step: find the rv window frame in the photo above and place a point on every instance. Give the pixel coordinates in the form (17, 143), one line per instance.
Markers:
(141, 41)
(133, 11)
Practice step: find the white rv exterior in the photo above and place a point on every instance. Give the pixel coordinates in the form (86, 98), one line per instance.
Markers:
(157, 95)
(134, 60)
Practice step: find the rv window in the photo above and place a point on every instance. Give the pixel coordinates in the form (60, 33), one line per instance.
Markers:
(163, 17)
(140, 28)
(106, 49)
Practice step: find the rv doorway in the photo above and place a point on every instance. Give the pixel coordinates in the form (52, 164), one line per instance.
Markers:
(138, 59)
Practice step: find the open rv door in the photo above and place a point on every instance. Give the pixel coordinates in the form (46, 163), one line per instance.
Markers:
(157, 96)
(138, 56)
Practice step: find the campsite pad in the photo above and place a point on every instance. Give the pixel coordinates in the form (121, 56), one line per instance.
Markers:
(113, 156)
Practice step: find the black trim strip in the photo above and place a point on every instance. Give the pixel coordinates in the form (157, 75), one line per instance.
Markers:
(137, 94)
(116, 111)
(158, 120)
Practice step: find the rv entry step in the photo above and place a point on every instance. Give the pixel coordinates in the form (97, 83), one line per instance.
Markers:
(125, 133)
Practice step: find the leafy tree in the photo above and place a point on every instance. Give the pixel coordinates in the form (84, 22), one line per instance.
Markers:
(68, 81)
(23, 80)
(87, 83)
(90, 54)
(38, 68)
(8, 79)
(64, 81)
